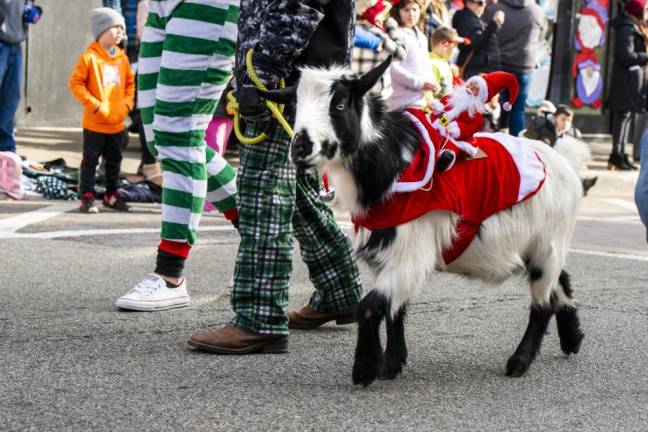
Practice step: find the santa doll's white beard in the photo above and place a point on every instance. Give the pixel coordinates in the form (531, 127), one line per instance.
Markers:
(590, 32)
(463, 100)
(590, 82)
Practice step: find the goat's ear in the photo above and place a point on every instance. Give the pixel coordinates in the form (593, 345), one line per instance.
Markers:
(363, 84)
(282, 95)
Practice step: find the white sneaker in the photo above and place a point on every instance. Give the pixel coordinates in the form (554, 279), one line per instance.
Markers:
(152, 294)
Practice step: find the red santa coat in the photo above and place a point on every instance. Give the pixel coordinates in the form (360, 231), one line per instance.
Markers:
(474, 189)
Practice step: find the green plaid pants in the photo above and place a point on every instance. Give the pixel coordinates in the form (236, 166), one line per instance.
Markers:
(274, 202)
(185, 61)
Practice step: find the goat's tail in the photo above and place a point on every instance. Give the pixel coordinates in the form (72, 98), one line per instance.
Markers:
(576, 151)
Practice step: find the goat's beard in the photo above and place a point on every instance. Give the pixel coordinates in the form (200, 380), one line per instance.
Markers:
(462, 99)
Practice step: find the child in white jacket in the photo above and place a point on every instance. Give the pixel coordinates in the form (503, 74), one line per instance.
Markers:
(412, 76)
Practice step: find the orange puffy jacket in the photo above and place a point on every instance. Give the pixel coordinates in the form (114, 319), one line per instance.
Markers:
(105, 86)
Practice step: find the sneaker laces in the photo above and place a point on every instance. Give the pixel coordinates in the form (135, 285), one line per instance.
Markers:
(148, 286)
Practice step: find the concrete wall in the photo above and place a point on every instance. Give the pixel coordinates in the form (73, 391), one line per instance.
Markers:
(52, 49)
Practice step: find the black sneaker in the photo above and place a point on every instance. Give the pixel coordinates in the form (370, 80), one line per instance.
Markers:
(115, 202)
(87, 204)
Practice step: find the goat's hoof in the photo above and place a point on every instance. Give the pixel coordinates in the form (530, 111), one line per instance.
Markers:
(364, 373)
(572, 344)
(517, 365)
(391, 368)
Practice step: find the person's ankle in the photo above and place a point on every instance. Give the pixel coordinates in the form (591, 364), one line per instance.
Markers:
(176, 281)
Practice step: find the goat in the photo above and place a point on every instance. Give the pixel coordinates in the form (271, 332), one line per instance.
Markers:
(364, 148)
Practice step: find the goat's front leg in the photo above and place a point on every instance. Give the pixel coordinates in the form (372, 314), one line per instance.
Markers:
(369, 352)
(396, 352)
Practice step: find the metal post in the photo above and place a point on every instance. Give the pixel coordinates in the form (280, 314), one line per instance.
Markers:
(559, 82)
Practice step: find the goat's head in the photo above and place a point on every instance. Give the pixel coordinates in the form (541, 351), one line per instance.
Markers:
(332, 116)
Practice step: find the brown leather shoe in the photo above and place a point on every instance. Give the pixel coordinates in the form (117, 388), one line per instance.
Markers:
(308, 318)
(235, 340)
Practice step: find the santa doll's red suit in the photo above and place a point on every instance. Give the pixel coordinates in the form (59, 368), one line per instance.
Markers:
(458, 116)
(474, 189)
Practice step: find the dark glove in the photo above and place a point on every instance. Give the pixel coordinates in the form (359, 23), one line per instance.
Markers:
(251, 105)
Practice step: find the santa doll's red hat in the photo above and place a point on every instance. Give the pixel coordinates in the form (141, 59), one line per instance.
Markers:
(493, 83)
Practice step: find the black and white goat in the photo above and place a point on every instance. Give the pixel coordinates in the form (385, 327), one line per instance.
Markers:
(364, 148)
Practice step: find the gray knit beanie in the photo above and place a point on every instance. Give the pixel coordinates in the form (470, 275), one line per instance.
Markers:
(104, 18)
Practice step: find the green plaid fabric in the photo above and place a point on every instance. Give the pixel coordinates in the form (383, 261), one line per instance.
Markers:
(186, 59)
(275, 202)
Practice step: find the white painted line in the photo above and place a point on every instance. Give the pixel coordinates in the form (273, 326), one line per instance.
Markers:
(7, 231)
(628, 205)
(610, 254)
(96, 232)
(209, 298)
(612, 219)
(13, 224)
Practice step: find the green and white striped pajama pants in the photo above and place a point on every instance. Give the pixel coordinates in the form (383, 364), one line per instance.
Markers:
(186, 59)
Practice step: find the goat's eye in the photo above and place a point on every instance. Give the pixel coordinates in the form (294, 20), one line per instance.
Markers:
(340, 107)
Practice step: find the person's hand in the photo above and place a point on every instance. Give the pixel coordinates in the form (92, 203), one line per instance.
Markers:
(103, 110)
(118, 114)
(251, 105)
(429, 86)
(390, 24)
(499, 18)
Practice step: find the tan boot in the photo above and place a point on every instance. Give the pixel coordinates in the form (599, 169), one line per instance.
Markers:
(308, 318)
(235, 340)
(152, 173)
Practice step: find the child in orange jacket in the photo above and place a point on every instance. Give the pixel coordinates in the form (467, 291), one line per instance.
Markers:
(105, 85)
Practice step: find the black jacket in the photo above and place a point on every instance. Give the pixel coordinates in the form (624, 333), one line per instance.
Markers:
(628, 89)
(483, 42)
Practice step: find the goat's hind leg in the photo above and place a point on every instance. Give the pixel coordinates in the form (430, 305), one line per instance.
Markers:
(368, 356)
(396, 352)
(567, 320)
(542, 279)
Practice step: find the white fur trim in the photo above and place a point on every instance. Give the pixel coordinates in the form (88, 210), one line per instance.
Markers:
(412, 186)
(470, 149)
(463, 145)
(483, 87)
(442, 131)
(507, 106)
(453, 129)
(436, 106)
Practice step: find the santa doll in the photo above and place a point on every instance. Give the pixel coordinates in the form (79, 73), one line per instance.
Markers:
(458, 116)
(586, 67)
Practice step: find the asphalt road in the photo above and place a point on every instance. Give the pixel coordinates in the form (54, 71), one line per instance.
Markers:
(70, 361)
